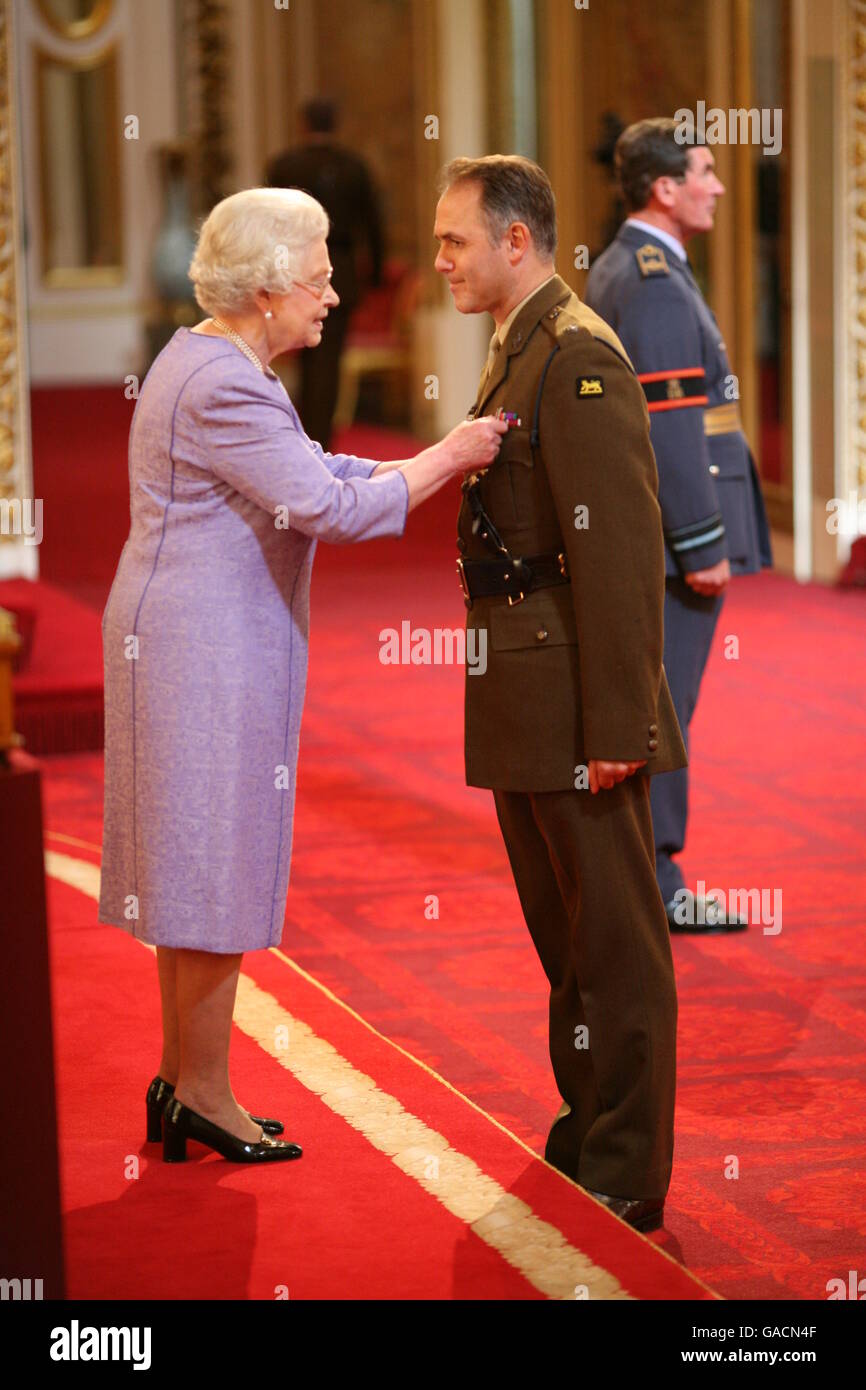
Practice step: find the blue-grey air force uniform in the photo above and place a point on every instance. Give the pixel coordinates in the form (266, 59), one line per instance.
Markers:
(708, 486)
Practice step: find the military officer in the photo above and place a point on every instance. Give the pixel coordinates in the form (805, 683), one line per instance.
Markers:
(712, 509)
(561, 560)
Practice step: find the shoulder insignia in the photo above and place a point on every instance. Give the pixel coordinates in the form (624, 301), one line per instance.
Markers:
(558, 322)
(590, 386)
(651, 260)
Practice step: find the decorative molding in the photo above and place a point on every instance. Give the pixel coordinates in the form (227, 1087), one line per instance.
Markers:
(16, 479)
(99, 15)
(205, 44)
(853, 455)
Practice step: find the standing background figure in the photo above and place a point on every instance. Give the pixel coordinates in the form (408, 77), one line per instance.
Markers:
(338, 179)
(712, 509)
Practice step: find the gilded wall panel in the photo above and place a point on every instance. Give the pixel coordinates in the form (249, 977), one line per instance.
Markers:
(15, 472)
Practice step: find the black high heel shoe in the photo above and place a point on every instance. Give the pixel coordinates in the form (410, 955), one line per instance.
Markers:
(160, 1092)
(180, 1123)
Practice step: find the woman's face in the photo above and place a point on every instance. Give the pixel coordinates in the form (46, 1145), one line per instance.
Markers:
(298, 317)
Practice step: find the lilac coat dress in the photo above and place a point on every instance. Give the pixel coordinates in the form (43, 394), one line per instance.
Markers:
(205, 645)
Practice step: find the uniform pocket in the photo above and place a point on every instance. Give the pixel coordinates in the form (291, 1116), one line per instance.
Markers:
(501, 485)
(516, 448)
(543, 619)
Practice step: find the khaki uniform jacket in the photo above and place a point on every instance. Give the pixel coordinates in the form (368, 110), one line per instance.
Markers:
(573, 672)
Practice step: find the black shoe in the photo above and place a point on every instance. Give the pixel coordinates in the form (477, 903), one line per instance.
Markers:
(702, 916)
(643, 1214)
(160, 1092)
(180, 1123)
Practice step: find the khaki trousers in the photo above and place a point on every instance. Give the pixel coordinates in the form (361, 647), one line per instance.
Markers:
(584, 867)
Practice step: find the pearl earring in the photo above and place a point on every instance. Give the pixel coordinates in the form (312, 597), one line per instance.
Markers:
(268, 314)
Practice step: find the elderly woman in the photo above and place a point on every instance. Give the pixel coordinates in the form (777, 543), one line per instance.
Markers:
(205, 640)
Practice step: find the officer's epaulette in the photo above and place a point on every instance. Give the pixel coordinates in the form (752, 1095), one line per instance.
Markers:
(566, 330)
(651, 260)
(559, 322)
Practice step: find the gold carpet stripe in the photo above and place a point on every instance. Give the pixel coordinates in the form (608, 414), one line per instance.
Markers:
(72, 840)
(417, 1061)
(508, 1225)
(467, 1100)
(76, 873)
(533, 1247)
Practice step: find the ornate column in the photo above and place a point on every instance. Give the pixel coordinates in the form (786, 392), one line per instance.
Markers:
(205, 48)
(851, 298)
(18, 549)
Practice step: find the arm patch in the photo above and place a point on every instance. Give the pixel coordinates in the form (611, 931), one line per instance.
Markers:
(671, 390)
(590, 386)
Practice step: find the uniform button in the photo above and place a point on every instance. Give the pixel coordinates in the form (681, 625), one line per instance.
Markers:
(542, 634)
(714, 469)
(653, 744)
(653, 728)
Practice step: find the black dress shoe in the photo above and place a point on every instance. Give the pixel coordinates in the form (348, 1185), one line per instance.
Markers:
(160, 1092)
(644, 1214)
(180, 1123)
(702, 916)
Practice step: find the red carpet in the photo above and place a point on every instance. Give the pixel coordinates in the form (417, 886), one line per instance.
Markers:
(772, 1026)
(418, 1196)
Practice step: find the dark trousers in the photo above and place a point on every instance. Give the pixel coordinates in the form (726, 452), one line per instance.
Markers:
(583, 866)
(320, 377)
(690, 622)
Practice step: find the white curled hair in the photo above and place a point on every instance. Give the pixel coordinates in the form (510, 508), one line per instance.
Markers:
(254, 240)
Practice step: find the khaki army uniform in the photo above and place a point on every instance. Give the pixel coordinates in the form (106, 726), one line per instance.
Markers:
(574, 672)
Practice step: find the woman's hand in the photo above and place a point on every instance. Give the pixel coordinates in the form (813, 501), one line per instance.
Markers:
(474, 443)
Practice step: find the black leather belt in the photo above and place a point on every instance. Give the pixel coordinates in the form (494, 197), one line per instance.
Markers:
(513, 578)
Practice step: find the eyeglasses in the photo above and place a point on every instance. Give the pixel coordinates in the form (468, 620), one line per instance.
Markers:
(316, 287)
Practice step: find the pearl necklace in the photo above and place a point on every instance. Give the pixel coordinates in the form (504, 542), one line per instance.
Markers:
(244, 346)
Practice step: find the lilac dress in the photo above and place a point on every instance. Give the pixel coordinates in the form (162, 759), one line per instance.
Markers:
(205, 645)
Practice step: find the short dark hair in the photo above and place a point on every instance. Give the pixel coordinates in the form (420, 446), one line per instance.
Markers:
(646, 151)
(513, 189)
(319, 115)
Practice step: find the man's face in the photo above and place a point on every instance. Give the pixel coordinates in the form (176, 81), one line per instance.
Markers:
(478, 273)
(694, 205)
